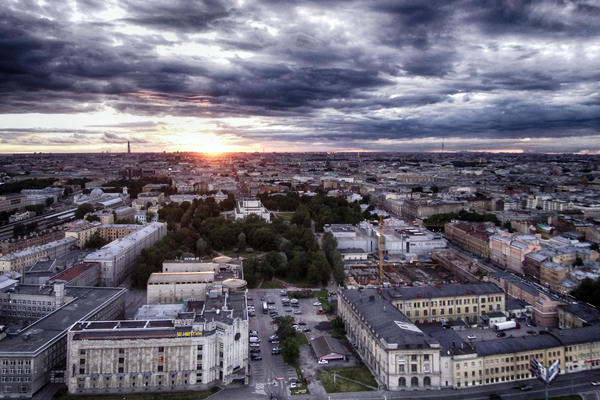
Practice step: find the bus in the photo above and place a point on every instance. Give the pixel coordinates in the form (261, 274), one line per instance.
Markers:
(265, 307)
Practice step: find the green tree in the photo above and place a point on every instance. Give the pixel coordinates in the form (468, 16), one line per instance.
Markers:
(92, 218)
(290, 351)
(19, 230)
(95, 242)
(83, 209)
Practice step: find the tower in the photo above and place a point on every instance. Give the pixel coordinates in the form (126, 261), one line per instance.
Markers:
(128, 147)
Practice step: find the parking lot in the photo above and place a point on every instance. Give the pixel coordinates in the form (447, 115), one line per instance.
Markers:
(270, 375)
(491, 334)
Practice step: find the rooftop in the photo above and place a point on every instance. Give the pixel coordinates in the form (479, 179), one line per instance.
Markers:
(385, 321)
(46, 330)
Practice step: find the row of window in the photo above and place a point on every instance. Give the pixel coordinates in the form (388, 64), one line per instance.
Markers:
(451, 302)
(15, 379)
(13, 371)
(19, 301)
(13, 361)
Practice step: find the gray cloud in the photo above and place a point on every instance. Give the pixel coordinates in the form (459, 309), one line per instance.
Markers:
(340, 72)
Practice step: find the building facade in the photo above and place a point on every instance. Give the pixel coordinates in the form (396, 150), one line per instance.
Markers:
(204, 347)
(32, 357)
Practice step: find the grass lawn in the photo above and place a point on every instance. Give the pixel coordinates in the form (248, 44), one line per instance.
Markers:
(270, 285)
(63, 395)
(353, 379)
(286, 216)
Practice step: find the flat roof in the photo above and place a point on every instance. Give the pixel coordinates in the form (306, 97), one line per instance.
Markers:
(181, 277)
(44, 331)
(453, 290)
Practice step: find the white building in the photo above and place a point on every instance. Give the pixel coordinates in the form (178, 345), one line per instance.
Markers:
(117, 257)
(251, 206)
(200, 348)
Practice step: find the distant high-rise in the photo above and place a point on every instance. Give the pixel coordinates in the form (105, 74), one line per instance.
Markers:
(128, 147)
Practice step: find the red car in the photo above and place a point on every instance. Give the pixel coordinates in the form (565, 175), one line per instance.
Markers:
(321, 312)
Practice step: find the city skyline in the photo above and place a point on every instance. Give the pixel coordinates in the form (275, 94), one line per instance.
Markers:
(254, 76)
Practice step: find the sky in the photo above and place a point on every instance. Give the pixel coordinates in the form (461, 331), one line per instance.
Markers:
(322, 75)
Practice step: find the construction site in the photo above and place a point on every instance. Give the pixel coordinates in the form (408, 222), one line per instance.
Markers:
(447, 266)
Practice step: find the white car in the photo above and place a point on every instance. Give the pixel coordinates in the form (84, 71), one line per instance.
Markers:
(316, 303)
(323, 362)
(471, 337)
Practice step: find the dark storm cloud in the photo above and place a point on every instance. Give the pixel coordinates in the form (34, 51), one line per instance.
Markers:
(336, 71)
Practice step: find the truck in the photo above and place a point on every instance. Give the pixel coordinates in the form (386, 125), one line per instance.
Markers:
(502, 326)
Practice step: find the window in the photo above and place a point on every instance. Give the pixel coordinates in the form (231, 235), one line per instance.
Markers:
(413, 368)
(161, 349)
(160, 368)
(121, 360)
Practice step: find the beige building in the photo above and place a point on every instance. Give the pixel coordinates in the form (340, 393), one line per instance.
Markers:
(399, 355)
(551, 274)
(26, 258)
(83, 233)
(469, 236)
(447, 303)
(204, 347)
(174, 287)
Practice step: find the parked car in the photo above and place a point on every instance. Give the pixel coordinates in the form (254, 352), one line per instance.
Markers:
(316, 303)
(595, 383)
(531, 332)
(321, 312)
(526, 387)
(255, 357)
(306, 329)
(471, 337)
(255, 350)
(322, 362)
(501, 334)
(298, 312)
(301, 323)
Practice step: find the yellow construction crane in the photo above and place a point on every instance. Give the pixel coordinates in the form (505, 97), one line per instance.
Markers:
(381, 243)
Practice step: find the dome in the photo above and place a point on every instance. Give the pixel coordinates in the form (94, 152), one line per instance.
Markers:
(235, 283)
(97, 192)
(222, 260)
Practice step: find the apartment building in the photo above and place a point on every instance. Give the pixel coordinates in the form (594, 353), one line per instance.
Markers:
(26, 258)
(509, 250)
(201, 348)
(474, 238)
(117, 258)
(552, 274)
